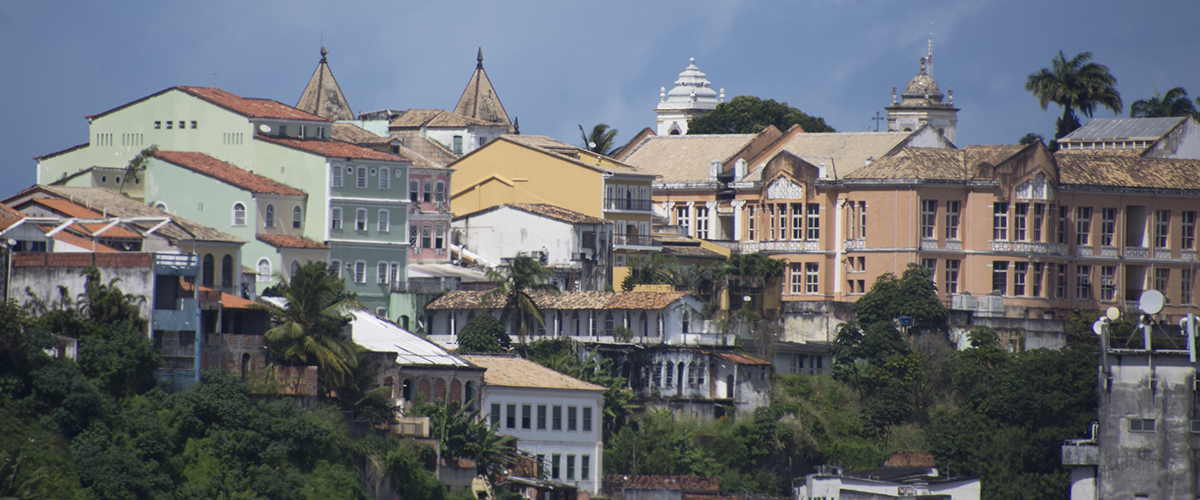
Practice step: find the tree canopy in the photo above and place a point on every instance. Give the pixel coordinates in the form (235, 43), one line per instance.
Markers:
(1075, 84)
(602, 139)
(311, 325)
(1174, 103)
(751, 115)
(483, 334)
(523, 276)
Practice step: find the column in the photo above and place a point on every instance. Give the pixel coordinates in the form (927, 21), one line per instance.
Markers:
(839, 246)
(737, 219)
(713, 225)
(691, 205)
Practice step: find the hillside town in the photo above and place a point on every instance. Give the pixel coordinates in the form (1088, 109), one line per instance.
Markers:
(486, 312)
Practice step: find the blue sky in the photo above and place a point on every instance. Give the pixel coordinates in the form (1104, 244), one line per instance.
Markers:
(558, 64)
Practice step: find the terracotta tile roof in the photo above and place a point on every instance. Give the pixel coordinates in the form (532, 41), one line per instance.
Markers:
(563, 301)
(690, 251)
(436, 118)
(936, 163)
(741, 359)
(685, 158)
(281, 241)
(1128, 172)
(543, 210)
(123, 206)
(74, 210)
(511, 371)
(80, 241)
(687, 484)
(348, 132)
(62, 151)
(331, 149)
(227, 173)
(480, 100)
(234, 302)
(9, 216)
(250, 107)
(1134, 152)
(844, 152)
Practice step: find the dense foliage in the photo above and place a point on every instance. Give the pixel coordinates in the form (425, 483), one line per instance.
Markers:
(750, 115)
(1076, 84)
(483, 334)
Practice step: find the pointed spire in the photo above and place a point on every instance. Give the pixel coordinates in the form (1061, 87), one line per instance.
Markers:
(322, 96)
(479, 59)
(517, 125)
(479, 99)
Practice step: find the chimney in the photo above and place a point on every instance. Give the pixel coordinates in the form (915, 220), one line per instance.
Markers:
(714, 169)
(739, 170)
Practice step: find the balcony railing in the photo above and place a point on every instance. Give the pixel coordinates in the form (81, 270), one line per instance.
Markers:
(630, 205)
(640, 240)
(1033, 247)
(953, 244)
(1137, 253)
(780, 246)
(856, 244)
(929, 244)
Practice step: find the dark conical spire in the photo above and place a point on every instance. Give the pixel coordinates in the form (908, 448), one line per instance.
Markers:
(322, 96)
(479, 99)
(479, 59)
(517, 125)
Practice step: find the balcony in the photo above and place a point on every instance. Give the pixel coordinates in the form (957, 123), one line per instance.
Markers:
(1137, 253)
(955, 245)
(634, 240)
(855, 244)
(929, 244)
(1034, 248)
(627, 205)
(781, 246)
(1162, 253)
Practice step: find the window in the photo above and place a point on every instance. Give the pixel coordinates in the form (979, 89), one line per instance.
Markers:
(682, 219)
(1039, 216)
(458, 143)
(335, 267)
(269, 217)
(555, 460)
(494, 416)
(239, 214)
(384, 225)
(428, 193)
(953, 209)
(414, 190)
(797, 221)
(510, 420)
(1083, 226)
(360, 272)
(440, 238)
(360, 219)
(587, 419)
(751, 223)
(572, 414)
(412, 237)
(1108, 226)
(1000, 277)
(1108, 282)
(541, 417)
(1060, 283)
(952, 266)
(702, 223)
(264, 271)
(769, 213)
(1162, 281)
(862, 219)
(381, 273)
(1039, 269)
(1162, 228)
(585, 468)
(439, 193)
(335, 218)
(928, 218)
(1186, 285)
(297, 217)
(1083, 282)
(362, 177)
(206, 270)
(1000, 221)
(1020, 215)
(1062, 224)
(336, 175)
(811, 277)
(556, 418)
(425, 236)
(283, 130)
(931, 265)
(1141, 425)
(541, 466)
(781, 211)
(226, 271)
(1187, 232)
(295, 269)
(157, 124)
(814, 221)
(797, 280)
(570, 466)
(1019, 274)
(385, 178)
(608, 323)
(526, 416)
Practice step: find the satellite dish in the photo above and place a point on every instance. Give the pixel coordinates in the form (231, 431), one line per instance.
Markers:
(1098, 326)
(1151, 302)
(264, 128)
(592, 145)
(1113, 313)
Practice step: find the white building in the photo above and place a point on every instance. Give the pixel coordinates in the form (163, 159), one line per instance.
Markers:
(886, 482)
(690, 98)
(554, 417)
(563, 240)
(921, 104)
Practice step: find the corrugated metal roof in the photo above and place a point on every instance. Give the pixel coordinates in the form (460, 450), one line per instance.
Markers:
(1124, 128)
(377, 335)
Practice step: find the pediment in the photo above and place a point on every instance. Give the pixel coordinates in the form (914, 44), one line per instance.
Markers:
(785, 189)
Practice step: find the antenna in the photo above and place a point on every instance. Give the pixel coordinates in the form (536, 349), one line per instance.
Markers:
(929, 50)
(214, 73)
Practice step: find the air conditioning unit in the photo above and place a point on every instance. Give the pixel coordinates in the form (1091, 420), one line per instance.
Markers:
(576, 255)
(506, 261)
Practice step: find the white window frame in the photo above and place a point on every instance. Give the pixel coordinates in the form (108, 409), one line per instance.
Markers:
(361, 178)
(269, 215)
(336, 266)
(264, 277)
(336, 174)
(385, 178)
(384, 223)
(381, 273)
(297, 217)
(335, 218)
(239, 221)
(812, 278)
(360, 219)
(394, 272)
(360, 271)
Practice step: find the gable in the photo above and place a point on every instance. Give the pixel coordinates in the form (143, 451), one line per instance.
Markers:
(784, 189)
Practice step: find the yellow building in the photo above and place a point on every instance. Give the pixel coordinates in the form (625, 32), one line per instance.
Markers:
(538, 169)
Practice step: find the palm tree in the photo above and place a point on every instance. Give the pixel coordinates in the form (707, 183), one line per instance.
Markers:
(524, 276)
(312, 322)
(1074, 84)
(1174, 103)
(601, 139)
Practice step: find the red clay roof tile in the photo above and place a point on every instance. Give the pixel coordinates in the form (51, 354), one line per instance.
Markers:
(281, 241)
(227, 173)
(332, 149)
(250, 107)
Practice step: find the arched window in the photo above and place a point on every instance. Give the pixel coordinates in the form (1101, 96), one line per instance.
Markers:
(440, 194)
(162, 206)
(404, 321)
(428, 191)
(385, 178)
(239, 214)
(414, 190)
(670, 375)
(679, 377)
(412, 237)
(264, 271)
(658, 367)
(245, 368)
(269, 216)
(406, 389)
(395, 272)
(335, 218)
(608, 324)
(206, 270)
(227, 271)
(297, 217)
(687, 322)
(294, 270)
(691, 374)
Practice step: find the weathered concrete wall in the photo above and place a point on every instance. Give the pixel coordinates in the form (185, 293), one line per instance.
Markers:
(806, 321)
(42, 274)
(1016, 334)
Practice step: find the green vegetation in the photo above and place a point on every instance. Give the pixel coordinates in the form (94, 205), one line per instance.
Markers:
(311, 324)
(483, 334)
(1075, 84)
(523, 276)
(601, 140)
(1174, 103)
(750, 115)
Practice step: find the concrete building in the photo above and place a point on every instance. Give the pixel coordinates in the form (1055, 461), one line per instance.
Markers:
(691, 97)
(554, 417)
(568, 242)
(1174, 137)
